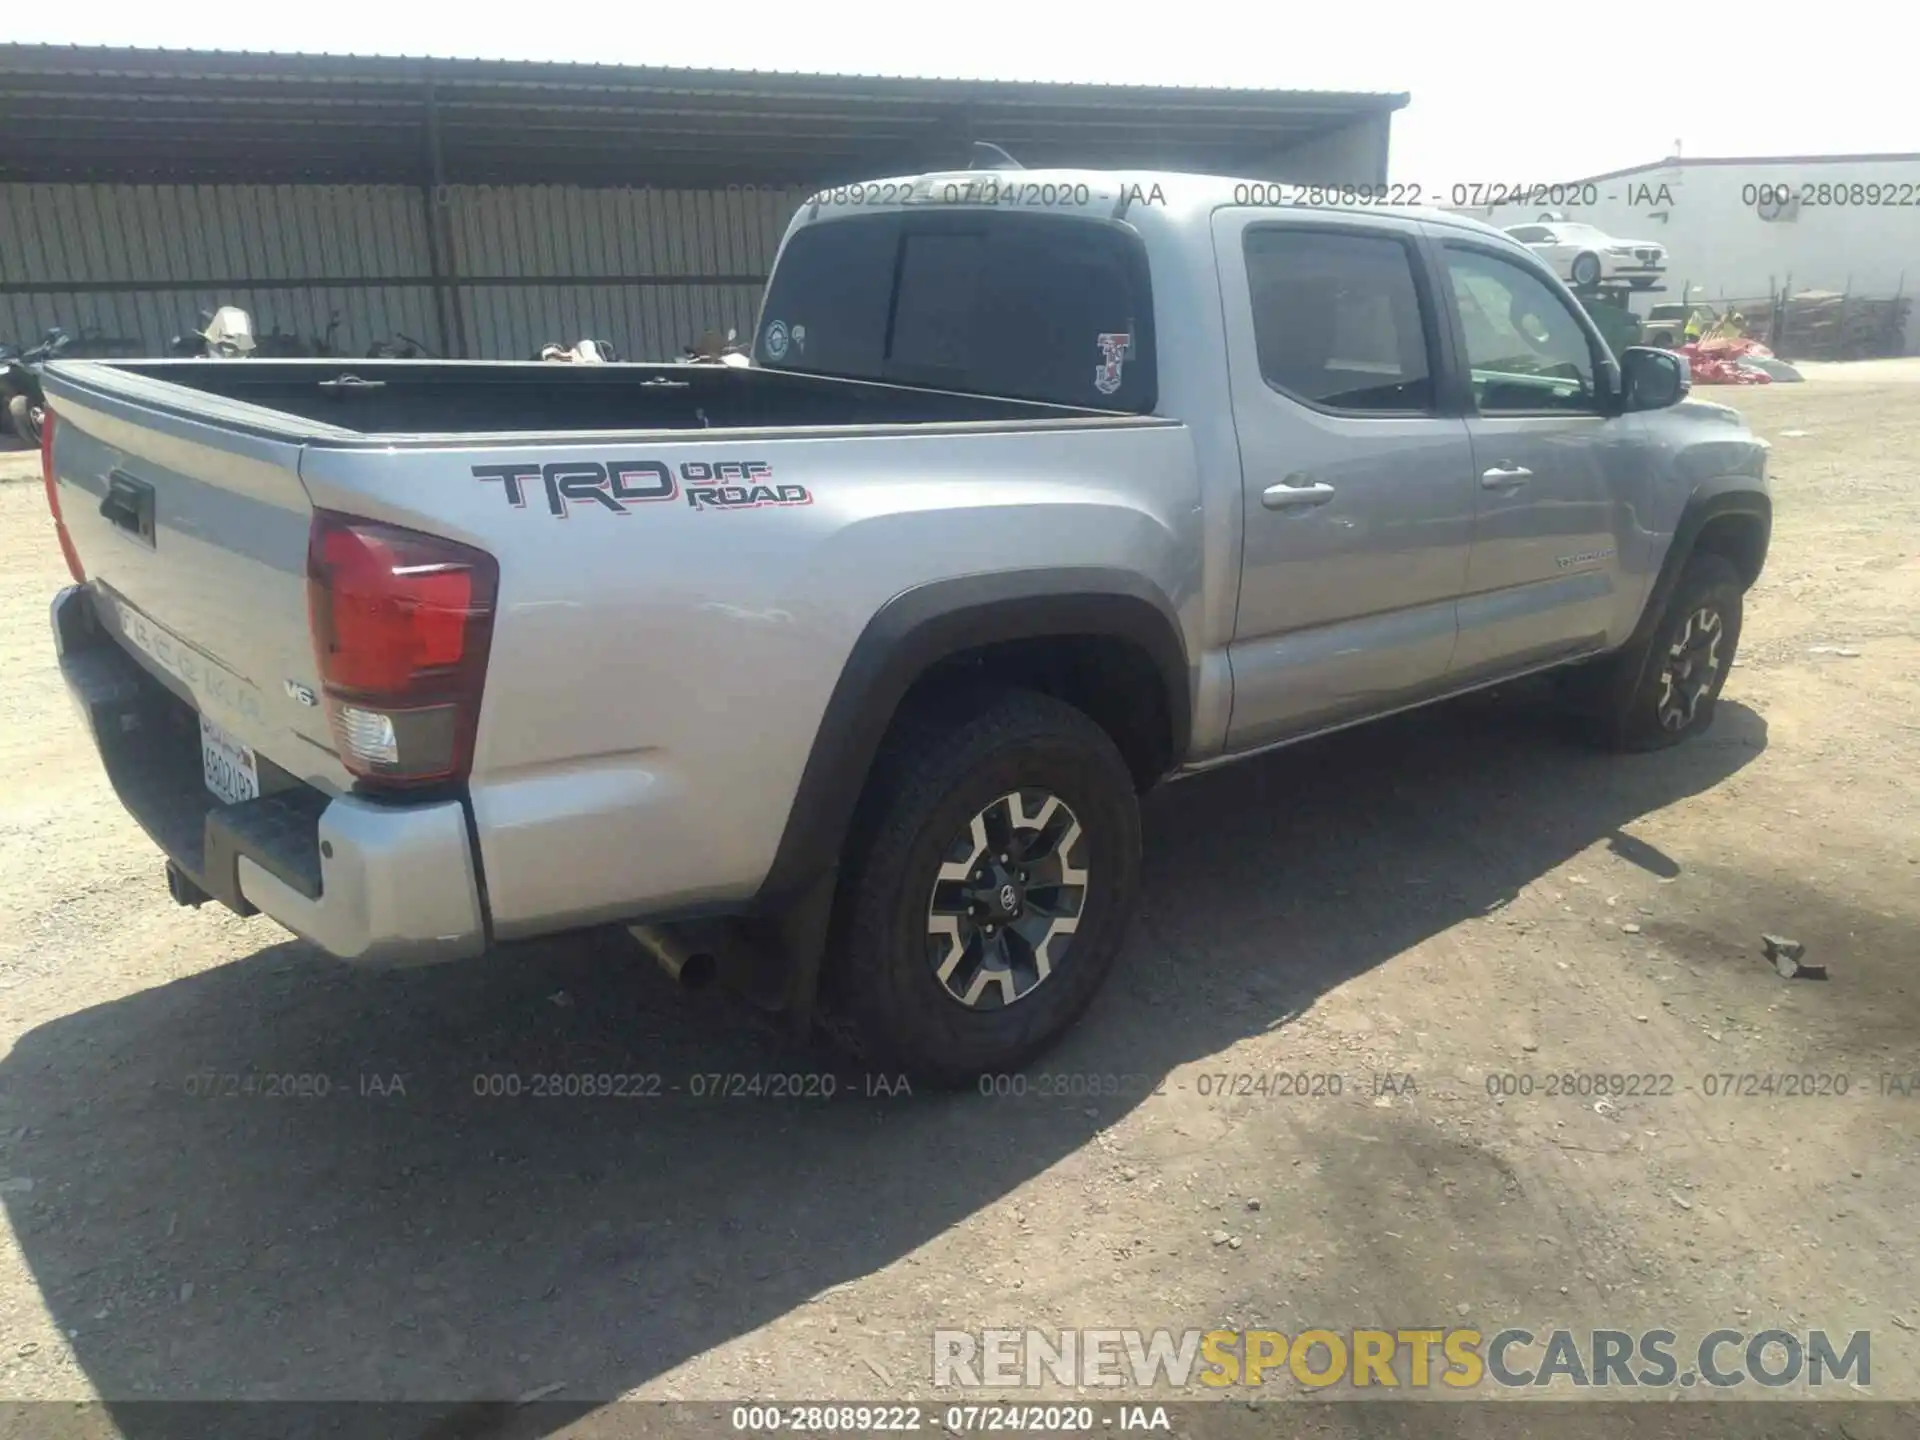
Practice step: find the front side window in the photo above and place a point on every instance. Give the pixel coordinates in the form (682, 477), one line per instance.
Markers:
(1337, 320)
(1527, 351)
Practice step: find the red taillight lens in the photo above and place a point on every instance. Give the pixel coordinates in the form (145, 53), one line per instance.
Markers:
(401, 627)
(396, 613)
(53, 499)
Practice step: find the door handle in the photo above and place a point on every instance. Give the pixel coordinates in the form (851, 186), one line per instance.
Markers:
(1285, 496)
(1505, 477)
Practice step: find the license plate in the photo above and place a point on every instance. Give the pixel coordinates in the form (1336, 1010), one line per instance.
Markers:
(230, 770)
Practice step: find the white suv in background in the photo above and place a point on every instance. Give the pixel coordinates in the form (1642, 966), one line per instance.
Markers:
(1584, 255)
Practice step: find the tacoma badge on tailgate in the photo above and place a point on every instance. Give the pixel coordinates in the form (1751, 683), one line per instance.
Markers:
(205, 678)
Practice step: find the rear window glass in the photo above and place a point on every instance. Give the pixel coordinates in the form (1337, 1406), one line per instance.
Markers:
(1050, 308)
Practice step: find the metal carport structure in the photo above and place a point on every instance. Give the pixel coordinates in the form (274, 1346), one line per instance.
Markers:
(487, 206)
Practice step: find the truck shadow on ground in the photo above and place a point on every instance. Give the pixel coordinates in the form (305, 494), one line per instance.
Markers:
(408, 1235)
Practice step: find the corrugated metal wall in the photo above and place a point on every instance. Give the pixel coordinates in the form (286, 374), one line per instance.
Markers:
(649, 270)
(126, 267)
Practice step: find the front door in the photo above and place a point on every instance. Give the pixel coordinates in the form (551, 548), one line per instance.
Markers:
(1549, 461)
(1358, 492)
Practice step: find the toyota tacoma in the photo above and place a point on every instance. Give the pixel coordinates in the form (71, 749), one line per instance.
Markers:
(841, 676)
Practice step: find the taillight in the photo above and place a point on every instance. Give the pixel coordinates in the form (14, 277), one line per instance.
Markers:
(401, 626)
(53, 499)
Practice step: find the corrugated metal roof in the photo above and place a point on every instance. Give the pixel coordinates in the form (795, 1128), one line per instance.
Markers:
(107, 113)
(116, 59)
(1685, 162)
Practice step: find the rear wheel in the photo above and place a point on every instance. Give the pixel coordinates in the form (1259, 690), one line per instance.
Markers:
(988, 887)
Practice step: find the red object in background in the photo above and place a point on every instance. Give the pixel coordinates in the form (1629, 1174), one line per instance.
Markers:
(1717, 363)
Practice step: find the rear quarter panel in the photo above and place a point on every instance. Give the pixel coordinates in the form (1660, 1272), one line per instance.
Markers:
(658, 676)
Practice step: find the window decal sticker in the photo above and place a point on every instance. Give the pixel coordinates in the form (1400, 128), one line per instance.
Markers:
(1114, 350)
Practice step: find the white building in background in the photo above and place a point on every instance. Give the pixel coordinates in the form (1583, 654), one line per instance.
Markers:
(1740, 229)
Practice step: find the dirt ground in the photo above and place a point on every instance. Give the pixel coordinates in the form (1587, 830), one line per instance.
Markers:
(1456, 897)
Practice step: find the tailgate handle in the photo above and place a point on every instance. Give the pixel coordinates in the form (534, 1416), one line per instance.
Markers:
(352, 382)
(129, 505)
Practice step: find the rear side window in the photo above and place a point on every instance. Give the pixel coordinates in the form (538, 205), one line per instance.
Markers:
(1050, 308)
(1338, 321)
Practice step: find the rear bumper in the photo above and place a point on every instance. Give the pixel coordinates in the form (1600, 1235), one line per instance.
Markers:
(364, 881)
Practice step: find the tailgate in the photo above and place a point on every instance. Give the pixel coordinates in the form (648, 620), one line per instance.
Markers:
(190, 520)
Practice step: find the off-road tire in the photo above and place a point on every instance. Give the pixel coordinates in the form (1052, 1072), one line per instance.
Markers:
(1653, 695)
(945, 763)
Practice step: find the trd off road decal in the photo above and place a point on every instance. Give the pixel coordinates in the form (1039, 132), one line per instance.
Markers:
(613, 485)
(616, 484)
(737, 485)
(1114, 351)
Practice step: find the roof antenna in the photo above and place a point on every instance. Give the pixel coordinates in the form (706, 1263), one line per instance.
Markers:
(992, 157)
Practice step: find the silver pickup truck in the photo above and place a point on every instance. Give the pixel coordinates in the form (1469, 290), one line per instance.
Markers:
(840, 676)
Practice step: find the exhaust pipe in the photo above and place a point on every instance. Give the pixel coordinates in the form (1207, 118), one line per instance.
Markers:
(690, 968)
(183, 890)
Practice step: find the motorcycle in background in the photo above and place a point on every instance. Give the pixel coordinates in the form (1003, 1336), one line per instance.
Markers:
(585, 352)
(400, 346)
(712, 350)
(21, 398)
(278, 344)
(227, 335)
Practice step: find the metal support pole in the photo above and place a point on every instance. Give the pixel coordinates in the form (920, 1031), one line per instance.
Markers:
(438, 200)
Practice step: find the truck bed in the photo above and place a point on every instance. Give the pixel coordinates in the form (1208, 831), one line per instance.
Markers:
(798, 505)
(442, 397)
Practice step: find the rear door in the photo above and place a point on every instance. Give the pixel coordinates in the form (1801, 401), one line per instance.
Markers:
(1549, 461)
(1357, 482)
(192, 530)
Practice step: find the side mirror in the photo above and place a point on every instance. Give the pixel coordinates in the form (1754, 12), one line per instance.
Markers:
(1653, 379)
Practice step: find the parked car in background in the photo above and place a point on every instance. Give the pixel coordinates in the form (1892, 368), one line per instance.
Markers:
(1586, 255)
(1667, 324)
